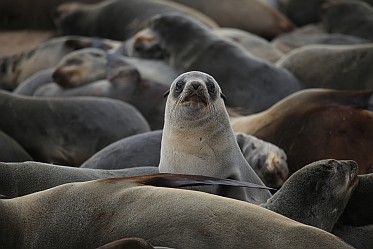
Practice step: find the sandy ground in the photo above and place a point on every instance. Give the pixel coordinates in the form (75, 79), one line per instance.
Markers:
(13, 42)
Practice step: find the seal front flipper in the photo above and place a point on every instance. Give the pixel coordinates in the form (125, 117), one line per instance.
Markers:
(185, 180)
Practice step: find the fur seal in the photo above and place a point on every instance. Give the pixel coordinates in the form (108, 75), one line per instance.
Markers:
(11, 151)
(124, 83)
(316, 194)
(248, 82)
(312, 34)
(349, 17)
(198, 138)
(88, 214)
(267, 160)
(124, 18)
(324, 124)
(67, 131)
(16, 68)
(92, 64)
(254, 44)
(347, 70)
(254, 16)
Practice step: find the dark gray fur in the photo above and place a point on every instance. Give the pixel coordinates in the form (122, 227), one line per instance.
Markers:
(316, 194)
(246, 81)
(359, 237)
(37, 80)
(117, 19)
(350, 18)
(67, 131)
(17, 179)
(339, 67)
(299, 38)
(11, 151)
(359, 209)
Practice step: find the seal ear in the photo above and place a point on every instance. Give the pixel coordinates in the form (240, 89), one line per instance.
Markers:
(222, 95)
(166, 93)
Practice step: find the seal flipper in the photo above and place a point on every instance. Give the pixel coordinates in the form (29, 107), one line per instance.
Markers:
(183, 180)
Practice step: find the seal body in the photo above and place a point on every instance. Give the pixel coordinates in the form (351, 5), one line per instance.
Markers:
(23, 178)
(244, 15)
(317, 124)
(248, 82)
(35, 81)
(313, 34)
(254, 44)
(67, 131)
(197, 136)
(124, 18)
(349, 17)
(79, 215)
(348, 69)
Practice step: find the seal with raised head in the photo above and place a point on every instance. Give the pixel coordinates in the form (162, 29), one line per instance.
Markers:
(198, 138)
(316, 194)
(250, 83)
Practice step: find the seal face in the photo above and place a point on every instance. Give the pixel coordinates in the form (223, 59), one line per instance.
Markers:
(193, 93)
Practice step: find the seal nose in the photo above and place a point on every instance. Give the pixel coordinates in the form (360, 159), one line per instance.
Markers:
(195, 85)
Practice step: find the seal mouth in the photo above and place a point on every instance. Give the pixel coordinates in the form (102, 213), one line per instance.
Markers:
(195, 98)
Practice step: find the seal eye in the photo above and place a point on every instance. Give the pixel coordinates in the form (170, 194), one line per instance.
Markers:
(210, 87)
(179, 86)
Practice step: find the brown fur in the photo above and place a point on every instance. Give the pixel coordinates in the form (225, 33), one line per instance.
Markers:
(317, 124)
